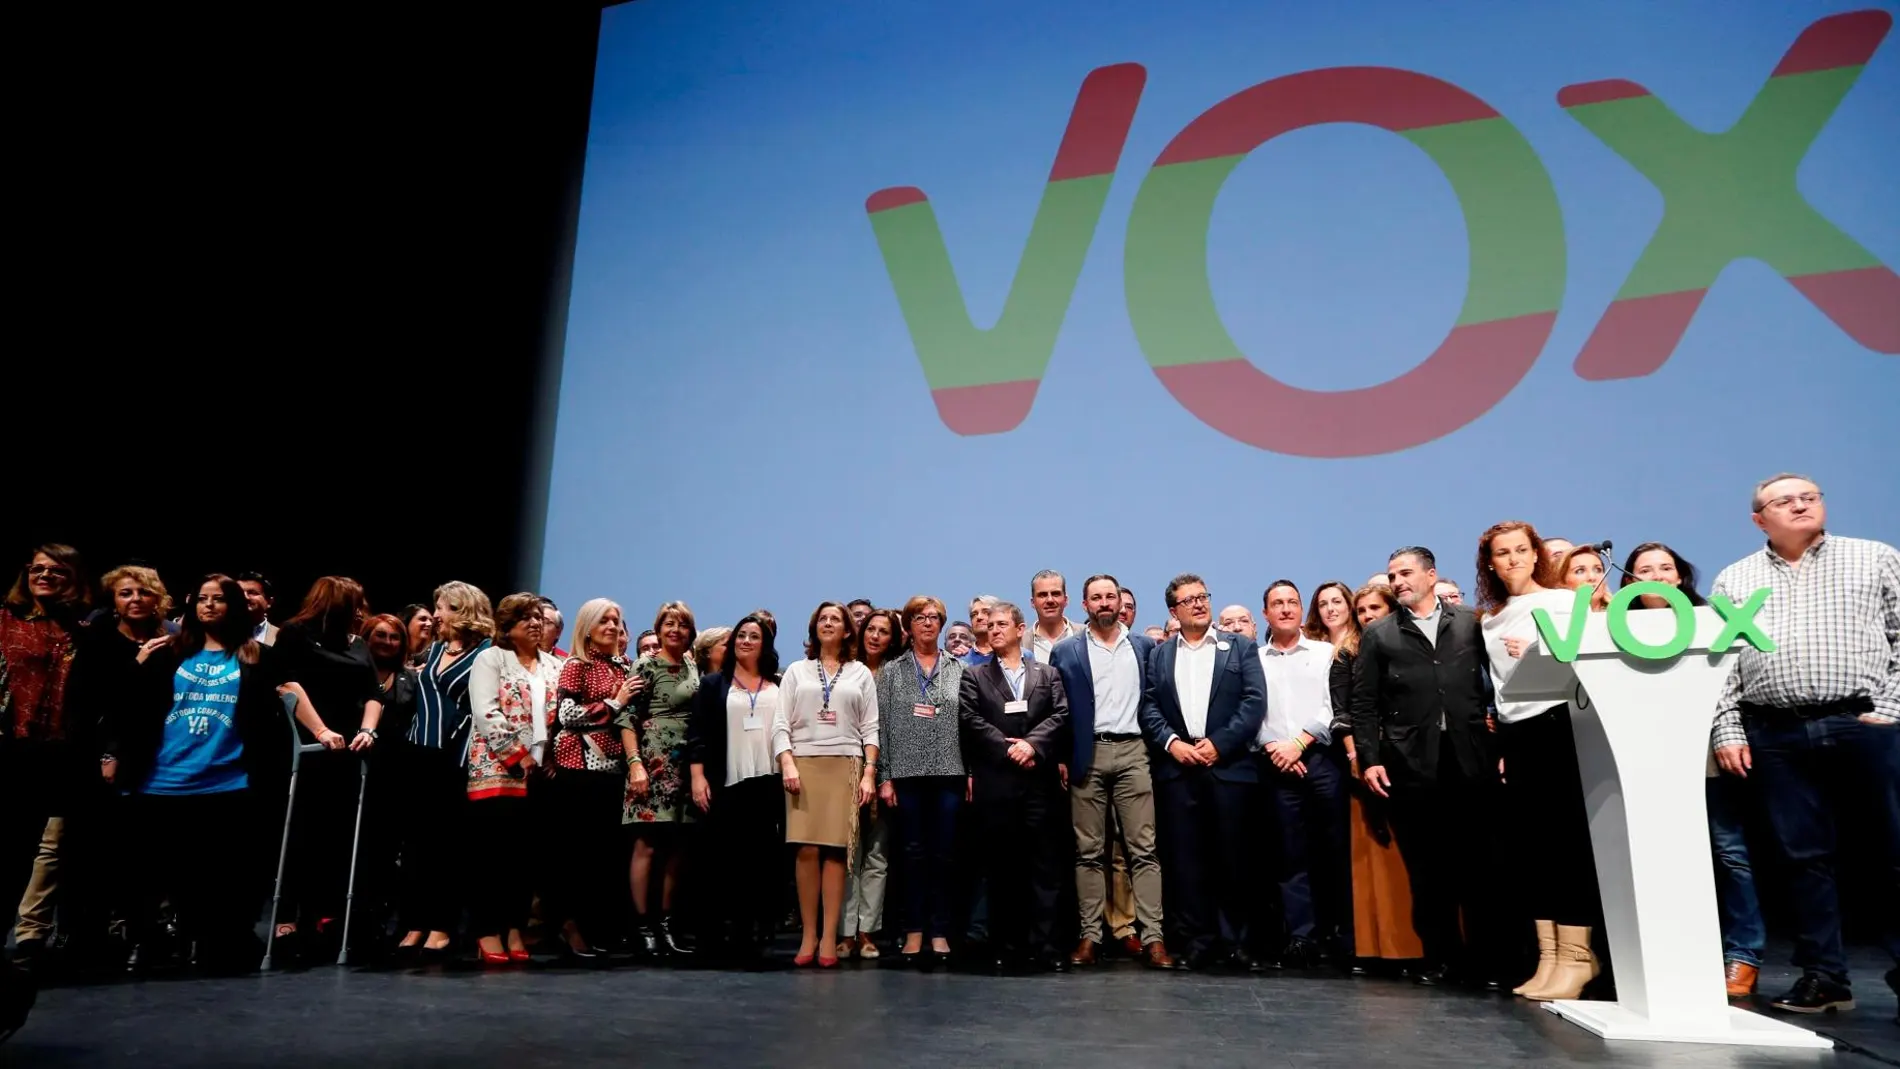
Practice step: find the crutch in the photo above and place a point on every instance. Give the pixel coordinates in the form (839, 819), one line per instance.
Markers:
(297, 750)
(356, 846)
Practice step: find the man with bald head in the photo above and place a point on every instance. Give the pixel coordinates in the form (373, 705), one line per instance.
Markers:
(1236, 620)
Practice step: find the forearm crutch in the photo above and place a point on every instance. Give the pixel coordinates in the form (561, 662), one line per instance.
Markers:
(356, 847)
(297, 751)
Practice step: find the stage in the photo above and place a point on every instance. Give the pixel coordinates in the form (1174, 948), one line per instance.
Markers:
(860, 1015)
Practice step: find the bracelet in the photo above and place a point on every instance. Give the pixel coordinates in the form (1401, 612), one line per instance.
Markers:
(368, 731)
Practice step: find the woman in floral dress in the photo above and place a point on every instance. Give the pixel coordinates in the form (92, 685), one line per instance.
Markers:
(654, 725)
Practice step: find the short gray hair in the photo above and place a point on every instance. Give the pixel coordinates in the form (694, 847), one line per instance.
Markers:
(1755, 503)
(988, 601)
(1048, 573)
(1015, 613)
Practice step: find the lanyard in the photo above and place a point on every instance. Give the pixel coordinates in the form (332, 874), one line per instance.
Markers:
(824, 683)
(924, 681)
(752, 696)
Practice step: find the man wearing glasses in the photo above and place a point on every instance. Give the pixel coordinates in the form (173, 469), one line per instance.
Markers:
(1203, 705)
(1818, 713)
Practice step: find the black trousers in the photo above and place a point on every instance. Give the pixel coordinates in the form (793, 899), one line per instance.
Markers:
(430, 823)
(588, 853)
(1446, 834)
(202, 852)
(744, 836)
(1552, 869)
(501, 871)
(1313, 862)
(1205, 830)
(1025, 865)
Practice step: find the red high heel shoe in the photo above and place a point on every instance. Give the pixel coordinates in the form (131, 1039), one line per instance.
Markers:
(518, 955)
(494, 959)
(802, 960)
(827, 963)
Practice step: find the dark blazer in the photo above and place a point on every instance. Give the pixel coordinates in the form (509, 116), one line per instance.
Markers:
(987, 729)
(1070, 657)
(1235, 708)
(706, 728)
(135, 724)
(1402, 682)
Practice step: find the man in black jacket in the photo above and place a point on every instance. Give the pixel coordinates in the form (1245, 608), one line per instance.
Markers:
(1418, 714)
(1015, 720)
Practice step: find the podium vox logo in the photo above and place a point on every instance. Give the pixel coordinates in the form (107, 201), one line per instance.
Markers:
(1727, 196)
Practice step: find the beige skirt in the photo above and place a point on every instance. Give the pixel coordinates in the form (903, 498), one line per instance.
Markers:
(824, 812)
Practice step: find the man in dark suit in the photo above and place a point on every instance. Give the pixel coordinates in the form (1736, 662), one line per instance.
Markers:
(1015, 719)
(1418, 715)
(1105, 670)
(1204, 701)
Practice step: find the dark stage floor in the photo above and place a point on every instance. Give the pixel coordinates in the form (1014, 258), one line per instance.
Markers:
(858, 1016)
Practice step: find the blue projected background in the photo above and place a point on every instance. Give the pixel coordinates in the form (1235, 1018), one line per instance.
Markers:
(769, 395)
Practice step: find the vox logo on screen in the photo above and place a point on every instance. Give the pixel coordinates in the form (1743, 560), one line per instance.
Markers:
(1726, 196)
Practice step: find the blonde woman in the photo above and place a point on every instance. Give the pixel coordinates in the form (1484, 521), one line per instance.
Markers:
(824, 737)
(654, 726)
(429, 770)
(592, 774)
(1583, 567)
(709, 650)
(514, 694)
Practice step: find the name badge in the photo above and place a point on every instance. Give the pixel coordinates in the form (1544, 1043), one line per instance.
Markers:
(1221, 645)
(925, 710)
(754, 723)
(1021, 705)
(827, 716)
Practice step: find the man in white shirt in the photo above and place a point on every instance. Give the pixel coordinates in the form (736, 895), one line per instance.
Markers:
(257, 601)
(1202, 708)
(1104, 672)
(1049, 593)
(1306, 793)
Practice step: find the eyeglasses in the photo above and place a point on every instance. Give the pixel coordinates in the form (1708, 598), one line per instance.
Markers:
(1192, 601)
(1786, 501)
(927, 618)
(37, 571)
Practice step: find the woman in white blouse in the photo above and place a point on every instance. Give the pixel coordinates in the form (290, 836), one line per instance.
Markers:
(1543, 788)
(513, 695)
(735, 782)
(825, 739)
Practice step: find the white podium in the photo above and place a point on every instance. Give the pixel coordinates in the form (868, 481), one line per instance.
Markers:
(1642, 730)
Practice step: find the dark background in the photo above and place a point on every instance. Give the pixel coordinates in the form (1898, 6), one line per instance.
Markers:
(292, 278)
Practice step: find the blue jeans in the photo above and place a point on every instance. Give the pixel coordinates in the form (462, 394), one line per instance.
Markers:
(1800, 763)
(927, 826)
(1743, 935)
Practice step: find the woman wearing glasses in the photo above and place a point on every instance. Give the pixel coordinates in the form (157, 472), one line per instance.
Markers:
(825, 737)
(47, 754)
(921, 775)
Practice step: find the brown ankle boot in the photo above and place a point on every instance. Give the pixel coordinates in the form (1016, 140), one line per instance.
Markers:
(1576, 966)
(1546, 960)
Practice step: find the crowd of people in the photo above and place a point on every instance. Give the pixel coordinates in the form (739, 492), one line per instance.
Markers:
(1327, 781)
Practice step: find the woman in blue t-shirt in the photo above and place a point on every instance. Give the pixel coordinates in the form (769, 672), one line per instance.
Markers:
(200, 743)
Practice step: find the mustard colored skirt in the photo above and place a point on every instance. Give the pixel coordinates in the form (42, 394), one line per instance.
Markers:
(824, 812)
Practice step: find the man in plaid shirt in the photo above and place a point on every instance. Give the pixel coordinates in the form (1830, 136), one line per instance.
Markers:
(1819, 713)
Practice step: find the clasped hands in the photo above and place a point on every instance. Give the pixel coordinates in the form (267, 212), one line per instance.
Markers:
(1199, 753)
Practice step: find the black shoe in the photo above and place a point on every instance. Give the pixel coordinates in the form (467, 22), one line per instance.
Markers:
(1434, 976)
(646, 940)
(674, 948)
(1241, 961)
(28, 953)
(1301, 954)
(1814, 993)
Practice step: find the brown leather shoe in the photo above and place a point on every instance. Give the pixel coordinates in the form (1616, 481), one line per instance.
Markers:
(1741, 979)
(1158, 957)
(1084, 953)
(1131, 944)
